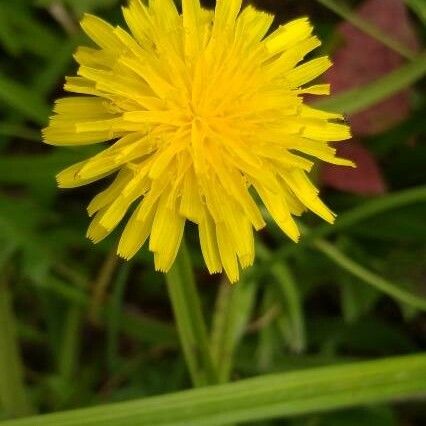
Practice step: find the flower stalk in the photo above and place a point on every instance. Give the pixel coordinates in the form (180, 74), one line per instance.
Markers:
(189, 320)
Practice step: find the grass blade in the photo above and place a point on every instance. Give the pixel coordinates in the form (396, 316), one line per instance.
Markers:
(369, 209)
(369, 277)
(353, 216)
(24, 100)
(116, 317)
(264, 397)
(13, 396)
(341, 9)
(359, 99)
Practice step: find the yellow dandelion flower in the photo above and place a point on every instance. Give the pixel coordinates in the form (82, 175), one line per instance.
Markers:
(203, 110)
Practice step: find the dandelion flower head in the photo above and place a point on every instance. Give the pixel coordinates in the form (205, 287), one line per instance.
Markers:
(204, 116)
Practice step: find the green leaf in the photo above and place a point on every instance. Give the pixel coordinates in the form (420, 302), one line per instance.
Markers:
(29, 33)
(361, 98)
(148, 330)
(56, 66)
(264, 397)
(356, 300)
(40, 170)
(24, 100)
(18, 131)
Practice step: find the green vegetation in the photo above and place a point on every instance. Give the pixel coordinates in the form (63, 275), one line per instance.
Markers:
(330, 331)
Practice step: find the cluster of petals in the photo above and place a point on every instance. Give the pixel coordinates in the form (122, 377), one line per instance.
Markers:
(204, 115)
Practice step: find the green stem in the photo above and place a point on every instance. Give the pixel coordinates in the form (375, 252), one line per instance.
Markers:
(189, 320)
(13, 396)
(70, 348)
(350, 218)
(234, 306)
(360, 98)
(369, 277)
(101, 284)
(365, 26)
(370, 209)
(115, 317)
(293, 317)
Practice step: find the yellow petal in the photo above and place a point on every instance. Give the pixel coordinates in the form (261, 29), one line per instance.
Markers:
(288, 35)
(327, 131)
(191, 205)
(111, 193)
(308, 194)
(277, 207)
(308, 71)
(191, 11)
(252, 24)
(226, 13)
(101, 33)
(209, 243)
(135, 233)
(227, 253)
(166, 235)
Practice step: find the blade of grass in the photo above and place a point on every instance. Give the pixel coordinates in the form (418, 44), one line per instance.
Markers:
(341, 9)
(267, 342)
(291, 318)
(139, 327)
(34, 35)
(361, 98)
(9, 43)
(234, 305)
(369, 209)
(13, 396)
(189, 320)
(265, 397)
(18, 131)
(351, 217)
(147, 330)
(70, 347)
(24, 100)
(369, 277)
(71, 343)
(115, 316)
(55, 68)
(101, 284)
